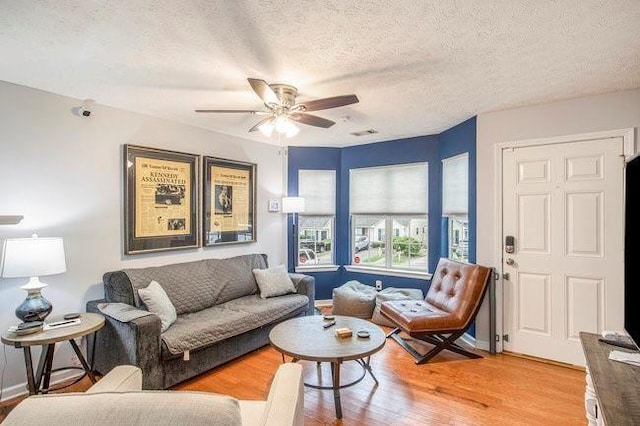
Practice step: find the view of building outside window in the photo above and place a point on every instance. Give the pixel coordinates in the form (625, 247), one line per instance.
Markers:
(459, 238)
(395, 242)
(315, 240)
(316, 224)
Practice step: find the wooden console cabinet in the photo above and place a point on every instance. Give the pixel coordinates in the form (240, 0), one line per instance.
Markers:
(616, 385)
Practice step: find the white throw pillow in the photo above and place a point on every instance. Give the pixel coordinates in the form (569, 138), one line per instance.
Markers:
(158, 303)
(274, 281)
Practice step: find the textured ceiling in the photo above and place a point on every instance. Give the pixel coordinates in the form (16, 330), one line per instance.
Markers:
(418, 67)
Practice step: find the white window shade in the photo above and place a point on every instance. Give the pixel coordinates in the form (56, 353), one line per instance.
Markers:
(455, 185)
(318, 188)
(401, 189)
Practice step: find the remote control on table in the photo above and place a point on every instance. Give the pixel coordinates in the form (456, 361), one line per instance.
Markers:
(329, 324)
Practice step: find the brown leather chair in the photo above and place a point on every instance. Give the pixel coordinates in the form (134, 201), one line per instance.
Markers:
(451, 304)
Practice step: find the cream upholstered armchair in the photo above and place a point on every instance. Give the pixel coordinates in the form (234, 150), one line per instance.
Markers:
(117, 399)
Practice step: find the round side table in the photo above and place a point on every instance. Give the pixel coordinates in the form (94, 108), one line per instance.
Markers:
(39, 382)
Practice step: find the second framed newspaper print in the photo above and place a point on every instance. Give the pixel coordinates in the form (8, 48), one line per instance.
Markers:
(160, 200)
(229, 202)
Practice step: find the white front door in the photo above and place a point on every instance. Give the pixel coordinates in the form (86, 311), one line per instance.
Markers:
(563, 204)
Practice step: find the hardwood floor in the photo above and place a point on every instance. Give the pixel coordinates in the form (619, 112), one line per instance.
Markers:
(449, 390)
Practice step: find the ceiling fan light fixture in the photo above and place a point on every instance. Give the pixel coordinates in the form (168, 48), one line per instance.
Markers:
(267, 128)
(293, 130)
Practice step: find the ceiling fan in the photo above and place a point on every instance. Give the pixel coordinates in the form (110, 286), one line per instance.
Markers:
(282, 109)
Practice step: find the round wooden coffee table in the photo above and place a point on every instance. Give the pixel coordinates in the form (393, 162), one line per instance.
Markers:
(305, 338)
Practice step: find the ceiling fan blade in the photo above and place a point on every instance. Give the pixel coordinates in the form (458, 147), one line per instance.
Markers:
(326, 103)
(251, 111)
(312, 120)
(263, 90)
(260, 123)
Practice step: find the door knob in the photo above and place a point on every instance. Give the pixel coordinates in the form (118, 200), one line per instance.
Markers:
(510, 261)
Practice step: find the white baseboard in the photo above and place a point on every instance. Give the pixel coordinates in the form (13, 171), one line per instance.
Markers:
(21, 388)
(469, 340)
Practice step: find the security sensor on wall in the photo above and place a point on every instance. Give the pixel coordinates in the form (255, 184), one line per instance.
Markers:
(87, 107)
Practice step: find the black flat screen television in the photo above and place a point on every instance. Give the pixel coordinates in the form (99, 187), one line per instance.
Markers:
(632, 251)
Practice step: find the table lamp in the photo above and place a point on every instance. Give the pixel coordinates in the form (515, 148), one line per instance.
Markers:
(293, 205)
(33, 257)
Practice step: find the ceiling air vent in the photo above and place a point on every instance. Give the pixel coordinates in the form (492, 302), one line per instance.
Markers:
(365, 132)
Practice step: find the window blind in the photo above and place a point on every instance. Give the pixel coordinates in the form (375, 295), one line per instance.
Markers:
(455, 185)
(401, 189)
(318, 188)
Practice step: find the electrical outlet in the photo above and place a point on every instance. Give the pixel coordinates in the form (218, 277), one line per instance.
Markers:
(378, 285)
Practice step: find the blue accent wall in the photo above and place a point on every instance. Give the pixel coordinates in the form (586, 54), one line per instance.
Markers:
(432, 149)
(458, 140)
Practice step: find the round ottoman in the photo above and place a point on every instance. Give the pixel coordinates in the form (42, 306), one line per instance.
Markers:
(354, 299)
(391, 293)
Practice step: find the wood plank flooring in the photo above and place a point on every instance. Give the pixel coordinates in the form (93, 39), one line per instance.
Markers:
(449, 390)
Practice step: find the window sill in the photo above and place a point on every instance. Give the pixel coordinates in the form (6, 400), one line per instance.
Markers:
(388, 272)
(317, 268)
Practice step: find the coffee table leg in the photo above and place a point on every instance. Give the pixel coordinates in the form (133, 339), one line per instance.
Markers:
(335, 372)
(367, 366)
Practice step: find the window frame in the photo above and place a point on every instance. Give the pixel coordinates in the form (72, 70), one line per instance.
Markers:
(388, 216)
(319, 267)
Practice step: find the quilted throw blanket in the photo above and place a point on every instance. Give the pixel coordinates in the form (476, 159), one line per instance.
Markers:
(121, 311)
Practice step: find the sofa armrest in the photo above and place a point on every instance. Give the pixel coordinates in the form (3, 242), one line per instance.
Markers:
(306, 285)
(123, 378)
(136, 342)
(285, 403)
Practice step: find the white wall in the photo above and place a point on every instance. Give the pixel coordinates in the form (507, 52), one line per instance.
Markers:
(63, 172)
(619, 110)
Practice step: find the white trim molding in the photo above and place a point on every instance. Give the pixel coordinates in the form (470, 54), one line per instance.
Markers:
(389, 272)
(629, 152)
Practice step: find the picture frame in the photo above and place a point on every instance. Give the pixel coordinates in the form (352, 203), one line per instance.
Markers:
(229, 200)
(161, 189)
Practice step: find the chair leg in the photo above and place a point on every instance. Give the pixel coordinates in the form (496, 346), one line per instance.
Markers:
(439, 341)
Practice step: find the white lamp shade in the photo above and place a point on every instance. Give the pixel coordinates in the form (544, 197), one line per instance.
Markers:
(292, 205)
(33, 257)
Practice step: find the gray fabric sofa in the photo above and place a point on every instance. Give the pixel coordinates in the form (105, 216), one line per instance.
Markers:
(221, 316)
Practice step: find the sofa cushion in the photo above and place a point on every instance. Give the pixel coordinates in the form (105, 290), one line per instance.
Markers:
(234, 275)
(133, 408)
(190, 286)
(158, 303)
(193, 286)
(204, 328)
(274, 281)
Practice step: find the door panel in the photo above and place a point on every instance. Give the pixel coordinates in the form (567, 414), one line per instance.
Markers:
(563, 203)
(533, 294)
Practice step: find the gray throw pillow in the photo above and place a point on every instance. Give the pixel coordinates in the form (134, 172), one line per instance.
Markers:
(158, 303)
(274, 281)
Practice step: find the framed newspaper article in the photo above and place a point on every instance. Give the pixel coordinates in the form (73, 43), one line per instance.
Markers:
(160, 200)
(229, 202)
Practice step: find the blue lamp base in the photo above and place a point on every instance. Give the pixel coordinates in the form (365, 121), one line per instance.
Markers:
(34, 308)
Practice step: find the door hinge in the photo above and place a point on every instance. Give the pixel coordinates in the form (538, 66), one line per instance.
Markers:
(505, 276)
(505, 337)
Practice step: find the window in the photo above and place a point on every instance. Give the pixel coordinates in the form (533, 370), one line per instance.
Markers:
(389, 217)
(316, 224)
(455, 204)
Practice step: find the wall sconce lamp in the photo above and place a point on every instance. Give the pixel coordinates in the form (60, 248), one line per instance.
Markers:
(10, 219)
